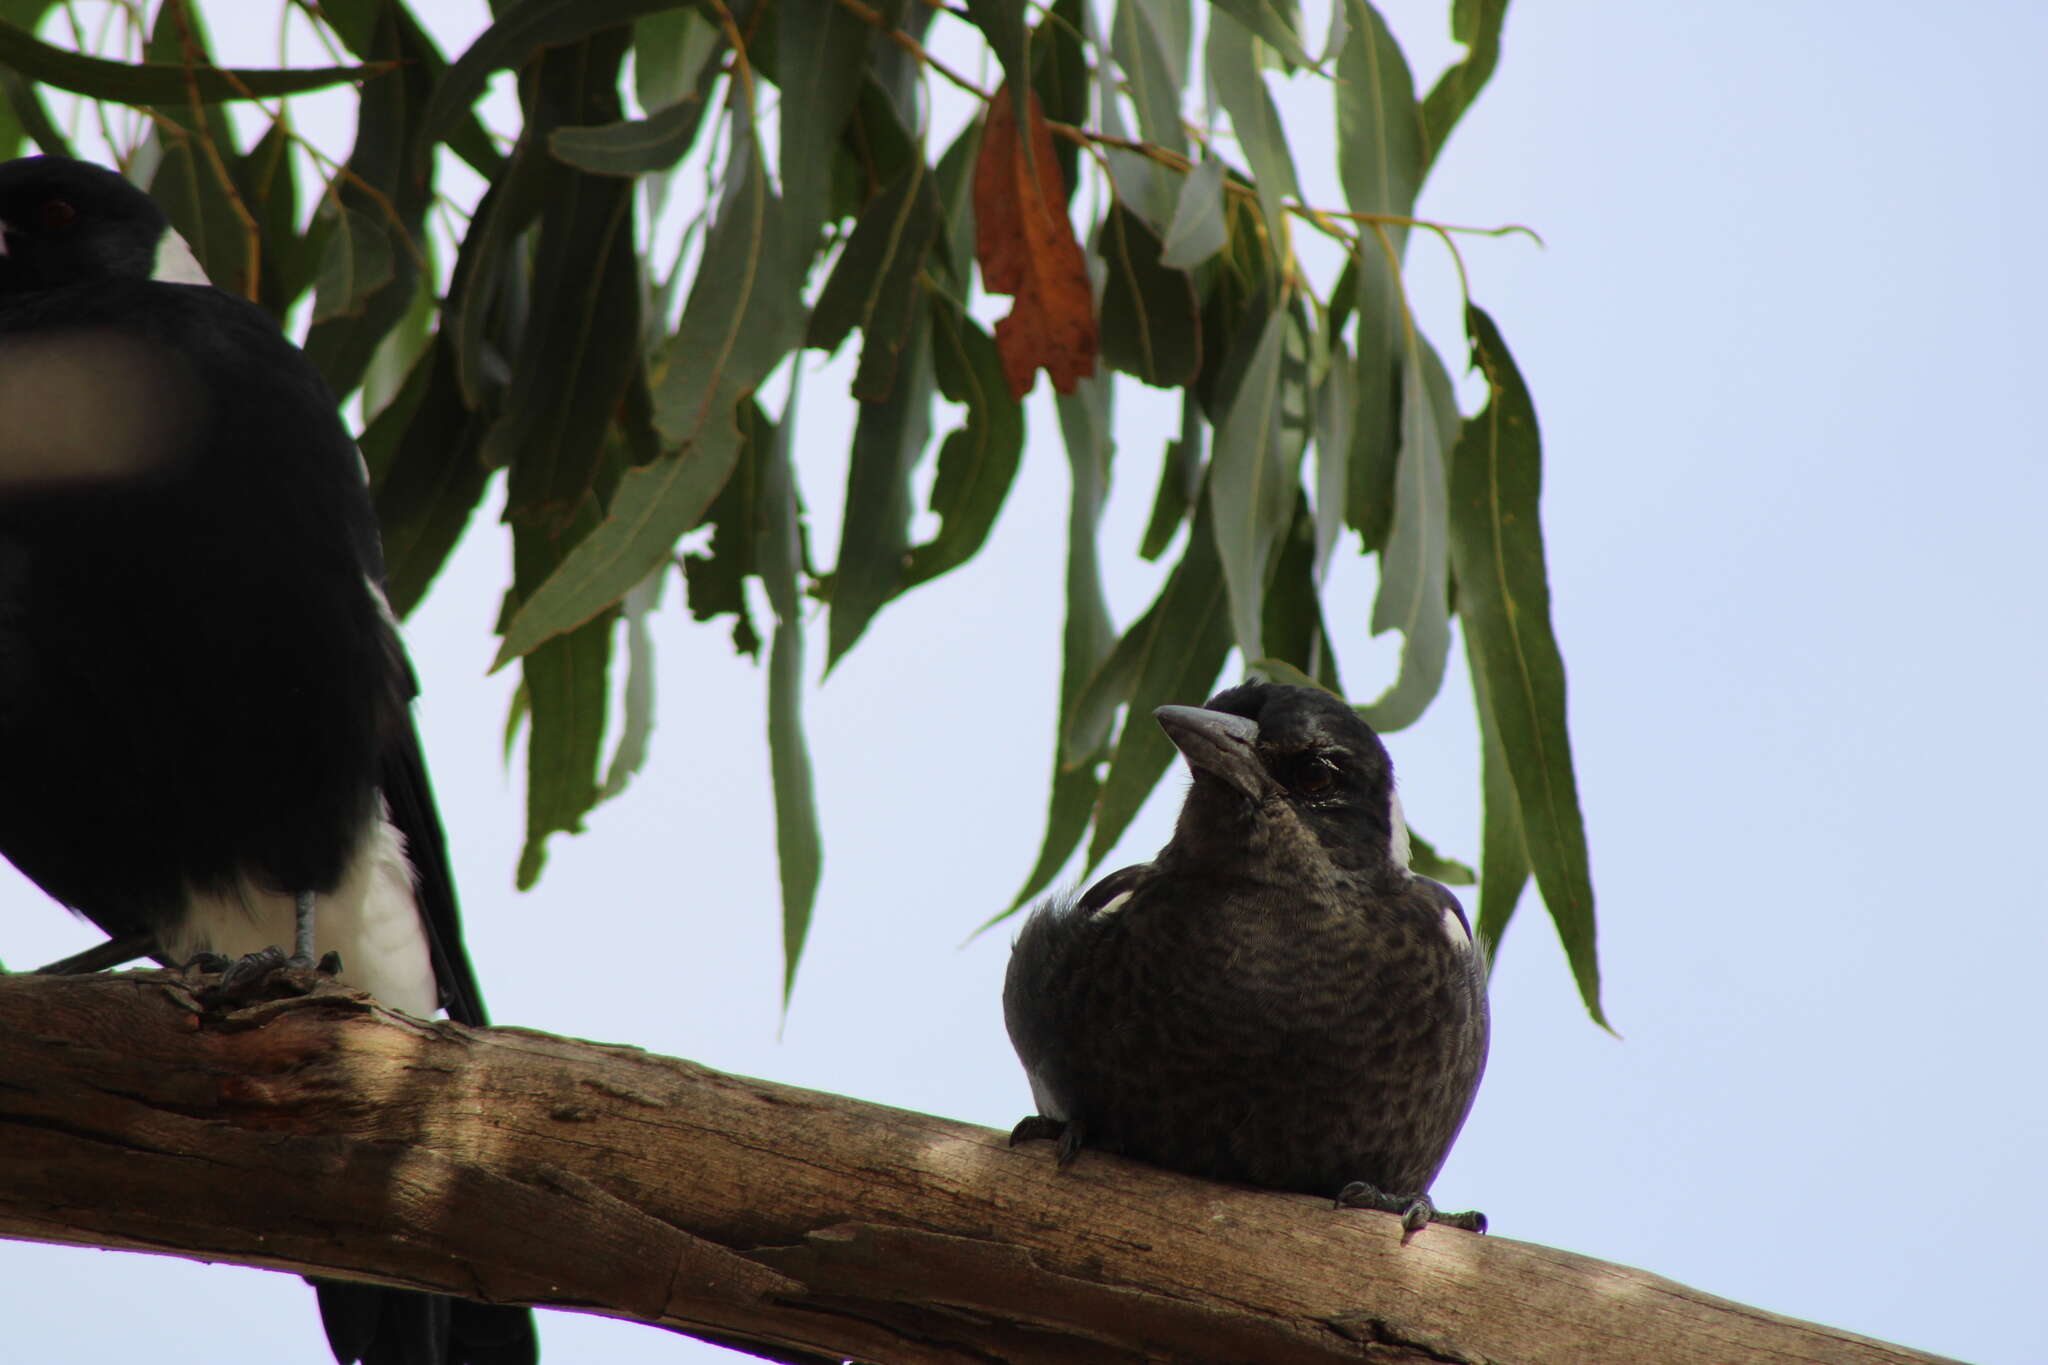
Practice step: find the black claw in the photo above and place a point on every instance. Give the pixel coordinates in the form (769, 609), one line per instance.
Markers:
(1070, 1134)
(1070, 1142)
(244, 979)
(245, 974)
(1037, 1127)
(1415, 1210)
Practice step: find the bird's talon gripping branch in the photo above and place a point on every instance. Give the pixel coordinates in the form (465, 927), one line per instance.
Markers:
(1037, 1128)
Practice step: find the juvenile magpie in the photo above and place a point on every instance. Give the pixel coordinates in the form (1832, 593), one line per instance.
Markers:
(205, 725)
(1275, 999)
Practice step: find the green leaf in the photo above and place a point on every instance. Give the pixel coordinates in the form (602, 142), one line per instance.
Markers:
(267, 179)
(889, 439)
(1414, 595)
(22, 112)
(519, 34)
(1180, 481)
(1273, 20)
(1504, 601)
(1186, 635)
(1503, 852)
(632, 146)
(160, 84)
(381, 184)
(427, 475)
(821, 60)
(636, 731)
(953, 183)
(1336, 405)
(875, 284)
(799, 847)
(400, 350)
(978, 462)
(1376, 403)
(1149, 39)
(1425, 861)
(356, 264)
(741, 319)
(1059, 73)
(1476, 24)
(1087, 637)
(716, 578)
(1197, 231)
(1379, 138)
(1002, 23)
(1151, 327)
(1235, 79)
(567, 686)
(1293, 620)
(671, 52)
(581, 348)
(1251, 486)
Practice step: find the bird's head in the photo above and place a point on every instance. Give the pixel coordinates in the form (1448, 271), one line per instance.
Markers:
(1287, 774)
(70, 222)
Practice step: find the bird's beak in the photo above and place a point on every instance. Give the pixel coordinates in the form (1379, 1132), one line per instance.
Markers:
(1218, 744)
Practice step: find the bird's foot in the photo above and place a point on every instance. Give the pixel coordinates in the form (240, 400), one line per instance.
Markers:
(1415, 1210)
(1068, 1133)
(244, 978)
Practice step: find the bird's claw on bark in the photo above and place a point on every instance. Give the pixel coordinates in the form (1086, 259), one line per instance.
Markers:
(244, 978)
(1068, 1133)
(1415, 1210)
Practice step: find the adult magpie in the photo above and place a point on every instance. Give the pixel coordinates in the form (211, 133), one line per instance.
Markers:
(1276, 999)
(205, 724)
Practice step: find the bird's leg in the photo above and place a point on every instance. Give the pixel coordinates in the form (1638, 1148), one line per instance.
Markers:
(1068, 1133)
(302, 930)
(1415, 1210)
(241, 977)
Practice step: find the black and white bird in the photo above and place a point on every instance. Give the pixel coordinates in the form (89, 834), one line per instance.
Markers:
(205, 708)
(1276, 999)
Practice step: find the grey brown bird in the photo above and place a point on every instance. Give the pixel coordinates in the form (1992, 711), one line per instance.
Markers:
(1276, 999)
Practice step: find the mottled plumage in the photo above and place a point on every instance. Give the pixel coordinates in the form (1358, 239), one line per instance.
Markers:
(1276, 999)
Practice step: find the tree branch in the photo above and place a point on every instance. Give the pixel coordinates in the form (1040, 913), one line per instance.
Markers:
(322, 1133)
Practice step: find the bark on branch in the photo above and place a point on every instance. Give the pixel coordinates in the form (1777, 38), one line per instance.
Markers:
(323, 1133)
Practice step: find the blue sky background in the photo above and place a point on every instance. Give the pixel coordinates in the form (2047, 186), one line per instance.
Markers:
(1784, 346)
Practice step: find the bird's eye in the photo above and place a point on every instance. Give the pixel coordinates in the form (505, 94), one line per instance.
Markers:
(57, 214)
(1308, 775)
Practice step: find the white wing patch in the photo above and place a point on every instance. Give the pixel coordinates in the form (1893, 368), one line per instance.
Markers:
(371, 919)
(1399, 818)
(1454, 930)
(175, 263)
(1110, 907)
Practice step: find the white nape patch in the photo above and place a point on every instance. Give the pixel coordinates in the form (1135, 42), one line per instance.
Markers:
(175, 263)
(1399, 846)
(1110, 907)
(371, 919)
(1454, 930)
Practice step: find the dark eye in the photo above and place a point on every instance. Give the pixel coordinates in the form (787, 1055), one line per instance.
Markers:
(1307, 774)
(57, 214)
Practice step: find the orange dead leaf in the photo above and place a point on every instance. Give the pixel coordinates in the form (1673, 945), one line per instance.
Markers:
(1026, 247)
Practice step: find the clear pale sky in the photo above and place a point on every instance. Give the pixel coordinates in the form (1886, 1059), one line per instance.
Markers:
(1784, 345)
